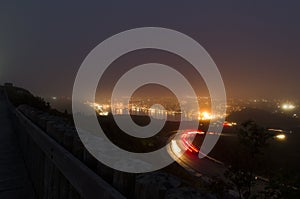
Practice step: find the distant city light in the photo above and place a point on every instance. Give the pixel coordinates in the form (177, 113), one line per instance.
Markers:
(103, 113)
(170, 110)
(228, 124)
(276, 130)
(54, 98)
(205, 116)
(98, 108)
(280, 137)
(288, 107)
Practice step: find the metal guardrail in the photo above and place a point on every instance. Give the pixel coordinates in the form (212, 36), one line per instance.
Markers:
(55, 172)
(88, 184)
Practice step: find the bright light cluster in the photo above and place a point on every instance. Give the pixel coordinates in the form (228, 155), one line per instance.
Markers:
(288, 106)
(98, 108)
(229, 123)
(205, 116)
(280, 137)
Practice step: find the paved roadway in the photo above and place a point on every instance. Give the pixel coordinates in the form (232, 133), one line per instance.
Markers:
(14, 181)
(205, 166)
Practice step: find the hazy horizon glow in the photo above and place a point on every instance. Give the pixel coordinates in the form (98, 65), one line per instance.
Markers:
(255, 45)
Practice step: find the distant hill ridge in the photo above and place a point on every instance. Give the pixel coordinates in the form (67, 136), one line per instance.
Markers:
(264, 118)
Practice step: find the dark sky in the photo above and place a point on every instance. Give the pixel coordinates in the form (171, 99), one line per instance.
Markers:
(255, 44)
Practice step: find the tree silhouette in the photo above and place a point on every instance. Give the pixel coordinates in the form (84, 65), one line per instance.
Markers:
(252, 139)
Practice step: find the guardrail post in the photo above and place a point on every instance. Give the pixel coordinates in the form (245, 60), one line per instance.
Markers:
(124, 182)
(155, 185)
(105, 172)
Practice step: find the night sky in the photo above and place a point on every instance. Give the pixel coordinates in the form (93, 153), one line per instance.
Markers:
(255, 44)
